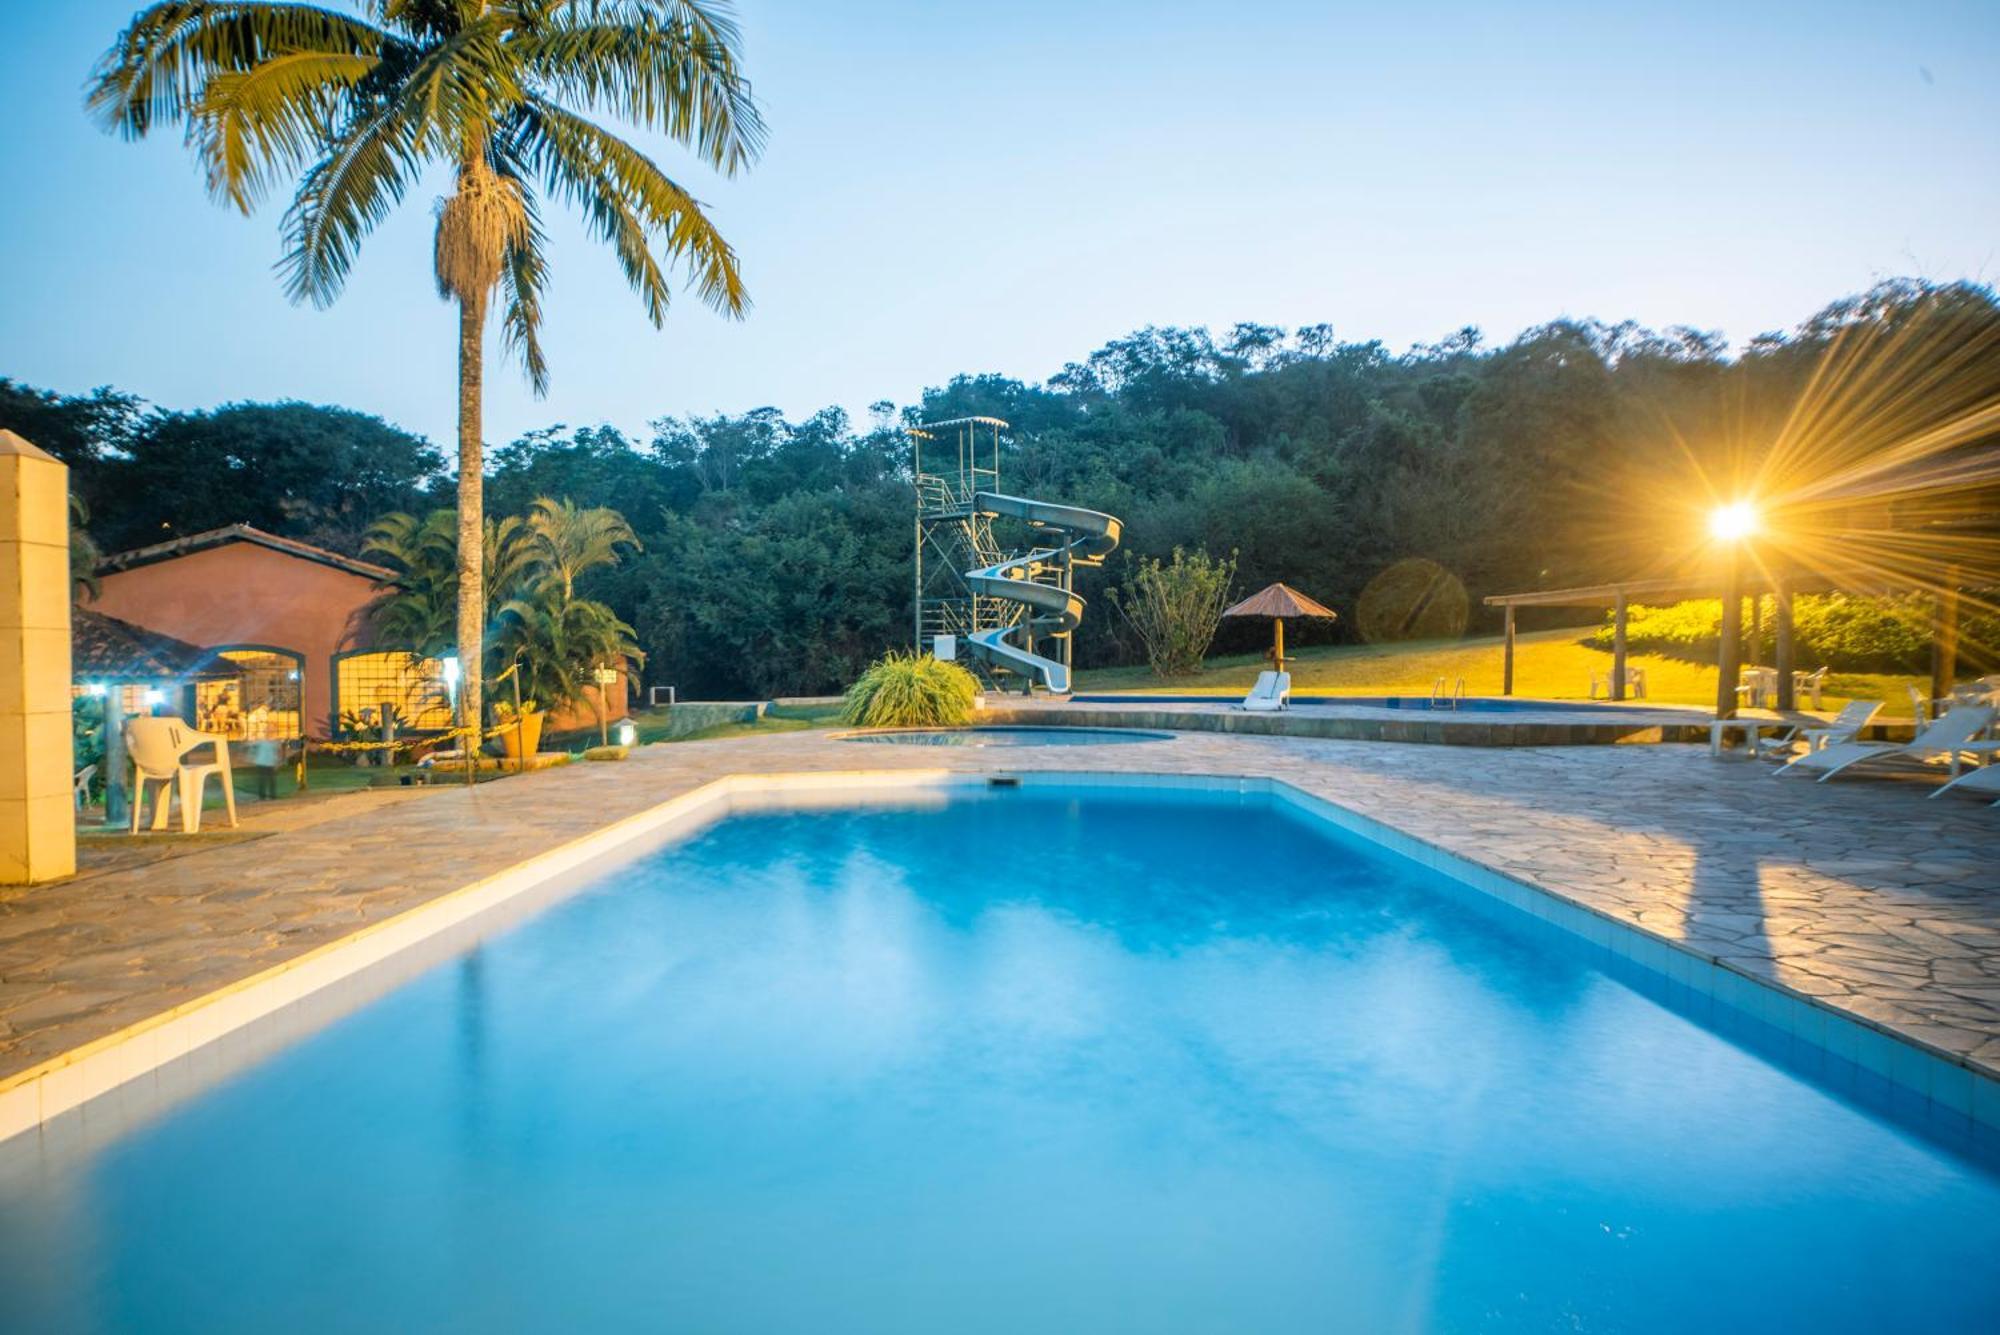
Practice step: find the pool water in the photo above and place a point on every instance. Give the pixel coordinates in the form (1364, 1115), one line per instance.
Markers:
(1026, 1061)
(1006, 736)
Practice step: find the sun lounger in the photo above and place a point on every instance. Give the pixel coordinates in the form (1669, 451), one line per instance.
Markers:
(1844, 727)
(1944, 740)
(1272, 693)
(1984, 781)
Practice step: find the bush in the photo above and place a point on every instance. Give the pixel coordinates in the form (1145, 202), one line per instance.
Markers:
(910, 691)
(1174, 608)
(1844, 632)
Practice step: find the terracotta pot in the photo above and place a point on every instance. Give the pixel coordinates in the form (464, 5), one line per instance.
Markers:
(524, 738)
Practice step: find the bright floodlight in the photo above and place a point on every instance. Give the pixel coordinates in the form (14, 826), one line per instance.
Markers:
(1733, 522)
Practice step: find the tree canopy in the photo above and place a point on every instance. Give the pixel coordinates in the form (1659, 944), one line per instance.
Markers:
(774, 554)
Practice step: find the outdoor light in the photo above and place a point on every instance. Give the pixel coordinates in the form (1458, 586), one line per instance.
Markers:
(154, 696)
(451, 673)
(97, 688)
(628, 732)
(1733, 522)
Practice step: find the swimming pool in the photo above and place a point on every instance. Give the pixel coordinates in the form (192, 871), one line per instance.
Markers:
(1471, 704)
(1046, 1059)
(1009, 736)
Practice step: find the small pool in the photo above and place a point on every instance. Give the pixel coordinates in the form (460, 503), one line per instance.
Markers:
(1055, 1058)
(1007, 736)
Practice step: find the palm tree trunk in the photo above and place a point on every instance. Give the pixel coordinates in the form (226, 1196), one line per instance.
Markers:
(471, 511)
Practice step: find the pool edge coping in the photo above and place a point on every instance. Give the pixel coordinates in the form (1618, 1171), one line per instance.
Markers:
(32, 1097)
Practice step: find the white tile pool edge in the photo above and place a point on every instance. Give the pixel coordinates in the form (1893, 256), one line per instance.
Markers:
(32, 1098)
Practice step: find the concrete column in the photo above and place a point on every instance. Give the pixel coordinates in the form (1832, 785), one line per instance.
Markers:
(37, 822)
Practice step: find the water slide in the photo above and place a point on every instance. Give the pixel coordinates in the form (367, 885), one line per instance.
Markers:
(1088, 536)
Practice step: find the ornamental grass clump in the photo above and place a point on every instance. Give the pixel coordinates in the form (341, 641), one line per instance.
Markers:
(910, 691)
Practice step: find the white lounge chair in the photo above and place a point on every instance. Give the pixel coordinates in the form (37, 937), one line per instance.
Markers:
(1943, 740)
(1844, 727)
(1272, 693)
(157, 747)
(1985, 781)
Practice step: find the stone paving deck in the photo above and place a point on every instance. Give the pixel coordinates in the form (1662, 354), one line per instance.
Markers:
(1859, 892)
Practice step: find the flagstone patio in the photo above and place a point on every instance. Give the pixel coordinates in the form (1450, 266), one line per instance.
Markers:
(1859, 893)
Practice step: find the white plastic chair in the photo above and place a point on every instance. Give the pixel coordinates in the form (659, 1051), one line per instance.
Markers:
(83, 778)
(1809, 685)
(157, 746)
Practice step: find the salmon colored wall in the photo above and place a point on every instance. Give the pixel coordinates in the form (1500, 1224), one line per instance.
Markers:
(241, 593)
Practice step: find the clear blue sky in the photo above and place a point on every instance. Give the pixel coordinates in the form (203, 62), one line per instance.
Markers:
(956, 187)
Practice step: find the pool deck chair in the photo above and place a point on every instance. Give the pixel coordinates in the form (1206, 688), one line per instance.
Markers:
(158, 747)
(1943, 740)
(1272, 693)
(1982, 782)
(1844, 727)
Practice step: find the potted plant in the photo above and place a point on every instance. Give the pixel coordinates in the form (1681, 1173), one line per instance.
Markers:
(520, 732)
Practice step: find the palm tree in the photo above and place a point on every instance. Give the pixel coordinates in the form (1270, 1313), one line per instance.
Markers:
(559, 641)
(570, 540)
(357, 108)
(417, 608)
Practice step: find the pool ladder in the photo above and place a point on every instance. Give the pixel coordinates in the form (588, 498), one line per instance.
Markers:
(1441, 699)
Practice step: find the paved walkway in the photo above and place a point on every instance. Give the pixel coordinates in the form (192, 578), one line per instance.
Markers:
(1858, 892)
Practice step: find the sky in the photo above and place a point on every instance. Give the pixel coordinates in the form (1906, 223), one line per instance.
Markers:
(953, 187)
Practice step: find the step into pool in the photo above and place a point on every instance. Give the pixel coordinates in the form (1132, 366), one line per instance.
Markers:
(1040, 1059)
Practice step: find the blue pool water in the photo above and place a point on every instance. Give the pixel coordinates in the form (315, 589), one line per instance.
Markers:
(1022, 1062)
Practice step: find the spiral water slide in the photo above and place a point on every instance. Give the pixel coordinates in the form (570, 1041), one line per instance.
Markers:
(1040, 580)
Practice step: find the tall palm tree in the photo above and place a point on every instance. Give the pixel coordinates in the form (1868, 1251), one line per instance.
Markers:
(357, 107)
(569, 540)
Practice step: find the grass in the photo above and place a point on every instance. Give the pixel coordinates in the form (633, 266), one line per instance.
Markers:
(1548, 665)
(658, 725)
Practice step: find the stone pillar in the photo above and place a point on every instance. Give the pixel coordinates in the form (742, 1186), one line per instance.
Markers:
(37, 752)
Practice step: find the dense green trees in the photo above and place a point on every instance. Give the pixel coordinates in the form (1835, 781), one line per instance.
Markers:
(776, 553)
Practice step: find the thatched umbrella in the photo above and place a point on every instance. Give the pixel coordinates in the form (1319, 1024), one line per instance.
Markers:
(1278, 602)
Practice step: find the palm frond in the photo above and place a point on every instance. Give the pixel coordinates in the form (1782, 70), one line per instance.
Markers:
(159, 69)
(667, 65)
(628, 201)
(252, 126)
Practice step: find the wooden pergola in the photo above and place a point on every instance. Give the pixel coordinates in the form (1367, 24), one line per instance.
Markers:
(1735, 586)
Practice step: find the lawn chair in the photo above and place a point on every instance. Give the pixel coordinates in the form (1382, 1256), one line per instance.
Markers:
(83, 778)
(1845, 727)
(1635, 683)
(1272, 693)
(1984, 781)
(1944, 740)
(157, 747)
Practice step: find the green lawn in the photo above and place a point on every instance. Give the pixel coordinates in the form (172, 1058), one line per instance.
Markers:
(1550, 665)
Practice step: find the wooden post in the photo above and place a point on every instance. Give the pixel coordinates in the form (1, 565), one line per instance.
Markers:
(1783, 652)
(1507, 663)
(1944, 637)
(37, 783)
(1755, 655)
(1729, 652)
(1278, 645)
(1619, 619)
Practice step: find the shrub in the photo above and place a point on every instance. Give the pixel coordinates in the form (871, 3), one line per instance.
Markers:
(1174, 608)
(910, 691)
(1842, 631)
